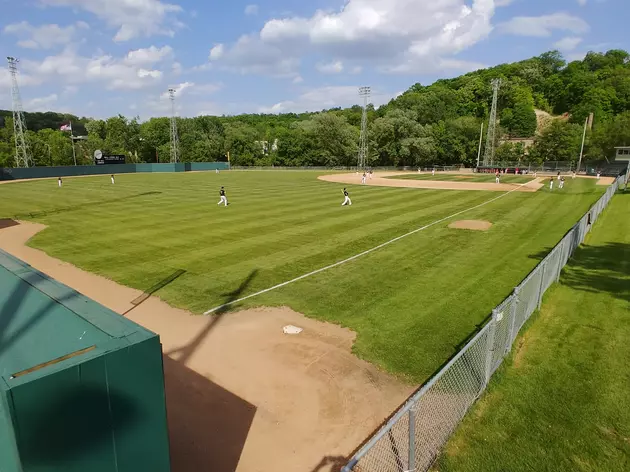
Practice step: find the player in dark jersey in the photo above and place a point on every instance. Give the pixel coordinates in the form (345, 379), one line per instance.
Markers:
(223, 197)
(346, 200)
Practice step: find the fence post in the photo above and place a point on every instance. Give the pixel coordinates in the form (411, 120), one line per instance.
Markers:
(412, 439)
(560, 259)
(542, 283)
(492, 328)
(516, 301)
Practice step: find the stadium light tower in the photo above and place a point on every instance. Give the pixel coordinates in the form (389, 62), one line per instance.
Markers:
(488, 156)
(22, 154)
(174, 135)
(363, 140)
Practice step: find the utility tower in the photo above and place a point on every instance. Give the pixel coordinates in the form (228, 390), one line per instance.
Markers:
(22, 154)
(363, 140)
(174, 135)
(488, 156)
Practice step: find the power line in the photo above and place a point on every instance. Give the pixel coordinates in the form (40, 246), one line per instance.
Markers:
(174, 135)
(22, 153)
(363, 140)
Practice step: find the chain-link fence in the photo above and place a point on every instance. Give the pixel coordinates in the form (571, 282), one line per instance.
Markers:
(413, 437)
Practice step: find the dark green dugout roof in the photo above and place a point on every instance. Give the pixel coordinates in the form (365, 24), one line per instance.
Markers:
(46, 326)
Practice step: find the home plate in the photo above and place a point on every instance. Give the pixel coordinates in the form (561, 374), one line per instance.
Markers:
(290, 329)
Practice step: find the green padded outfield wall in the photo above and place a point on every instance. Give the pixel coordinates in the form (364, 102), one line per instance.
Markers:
(81, 388)
(7, 173)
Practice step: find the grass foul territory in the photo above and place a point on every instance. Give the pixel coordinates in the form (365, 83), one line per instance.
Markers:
(561, 402)
(411, 303)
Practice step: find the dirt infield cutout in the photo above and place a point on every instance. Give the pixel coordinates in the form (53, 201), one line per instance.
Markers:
(474, 225)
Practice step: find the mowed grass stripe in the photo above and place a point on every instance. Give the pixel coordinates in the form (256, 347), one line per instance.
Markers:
(410, 303)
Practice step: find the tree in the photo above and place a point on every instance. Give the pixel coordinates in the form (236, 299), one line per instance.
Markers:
(559, 142)
(333, 140)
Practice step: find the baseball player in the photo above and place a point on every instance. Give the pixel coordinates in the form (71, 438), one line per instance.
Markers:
(599, 174)
(346, 200)
(573, 175)
(59, 182)
(561, 184)
(223, 197)
(363, 178)
(551, 183)
(433, 172)
(497, 178)
(113, 180)
(216, 171)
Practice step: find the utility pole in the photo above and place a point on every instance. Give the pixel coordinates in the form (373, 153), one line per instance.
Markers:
(363, 140)
(582, 149)
(480, 142)
(174, 135)
(22, 153)
(488, 156)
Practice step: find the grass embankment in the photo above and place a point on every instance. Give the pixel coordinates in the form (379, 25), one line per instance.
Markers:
(561, 402)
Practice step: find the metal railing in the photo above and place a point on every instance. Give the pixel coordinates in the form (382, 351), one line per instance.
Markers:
(411, 440)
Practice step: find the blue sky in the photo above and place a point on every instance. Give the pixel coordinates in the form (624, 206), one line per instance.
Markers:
(104, 57)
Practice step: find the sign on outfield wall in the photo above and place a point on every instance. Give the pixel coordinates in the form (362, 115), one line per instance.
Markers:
(102, 159)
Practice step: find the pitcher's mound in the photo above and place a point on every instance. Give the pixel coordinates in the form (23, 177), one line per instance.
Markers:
(475, 225)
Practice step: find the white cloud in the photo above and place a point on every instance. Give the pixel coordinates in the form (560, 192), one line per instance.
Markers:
(41, 103)
(44, 36)
(298, 79)
(250, 55)
(325, 98)
(73, 69)
(335, 67)
(216, 52)
(374, 31)
(133, 18)
(251, 10)
(567, 44)
(179, 89)
(150, 55)
(542, 26)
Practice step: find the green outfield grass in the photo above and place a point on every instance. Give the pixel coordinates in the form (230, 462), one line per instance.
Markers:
(560, 403)
(505, 179)
(411, 303)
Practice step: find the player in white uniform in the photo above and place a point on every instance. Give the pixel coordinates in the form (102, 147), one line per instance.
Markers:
(497, 178)
(561, 183)
(599, 174)
(551, 183)
(113, 181)
(363, 178)
(433, 172)
(59, 182)
(346, 200)
(223, 197)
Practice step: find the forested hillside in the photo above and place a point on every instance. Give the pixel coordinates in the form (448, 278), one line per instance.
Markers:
(435, 124)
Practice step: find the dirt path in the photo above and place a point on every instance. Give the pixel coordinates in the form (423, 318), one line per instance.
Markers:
(381, 180)
(242, 395)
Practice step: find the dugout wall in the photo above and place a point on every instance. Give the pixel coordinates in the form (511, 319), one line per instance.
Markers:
(18, 173)
(81, 388)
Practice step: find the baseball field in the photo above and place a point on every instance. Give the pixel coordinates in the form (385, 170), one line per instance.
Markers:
(411, 302)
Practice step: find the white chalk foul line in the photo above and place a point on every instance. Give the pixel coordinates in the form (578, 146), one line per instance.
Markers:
(356, 256)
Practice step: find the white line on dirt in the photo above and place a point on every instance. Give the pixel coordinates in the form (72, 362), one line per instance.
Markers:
(361, 254)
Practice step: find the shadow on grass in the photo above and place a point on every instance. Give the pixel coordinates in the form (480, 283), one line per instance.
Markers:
(187, 351)
(597, 269)
(80, 206)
